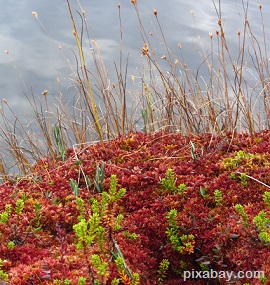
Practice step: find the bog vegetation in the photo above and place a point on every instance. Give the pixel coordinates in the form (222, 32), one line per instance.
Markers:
(177, 181)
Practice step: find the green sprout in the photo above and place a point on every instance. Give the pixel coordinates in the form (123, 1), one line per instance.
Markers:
(81, 280)
(3, 275)
(240, 209)
(19, 206)
(182, 243)
(261, 221)
(118, 221)
(11, 245)
(203, 192)
(131, 236)
(123, 268)
(162, 270)
(169, 183)
(81, 205)
(243, 179)
(101, 267)
(37, 218)
(59, 142)
(218, 197)
(4, 217)
(93, 231)
(99, 178)
(266, 199)
(74, 186)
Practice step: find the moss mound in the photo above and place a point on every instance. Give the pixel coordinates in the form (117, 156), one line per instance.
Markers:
(190, 204)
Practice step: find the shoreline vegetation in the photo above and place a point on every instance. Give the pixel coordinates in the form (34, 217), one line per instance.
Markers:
(141, 209)
(179, 180)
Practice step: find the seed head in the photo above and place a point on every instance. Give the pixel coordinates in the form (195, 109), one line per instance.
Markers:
(34, 14)
(260, 6)
(145, 50)
(134, 2)
(211, 35)
(45, 92)
(155, 12)
(219, 22)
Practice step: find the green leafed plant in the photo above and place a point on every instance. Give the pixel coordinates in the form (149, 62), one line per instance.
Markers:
(162, 270)
(87, 230)
(125, 274)
(99, 178)
(11, 245)
(101, 267)
(74, 186)
(234, 160)
(243, 179)
(36, 220)
(218, 197)
(203, 192)
(81, 280)
(97, 229)
(131, 236)
(4, 217)
(262, 222)
(3, 274)
(118, 220)
(241, 157)
(266, 199)
(81, 205)
(169, 183)
(182, 243)
(240, 209)
(59, 142)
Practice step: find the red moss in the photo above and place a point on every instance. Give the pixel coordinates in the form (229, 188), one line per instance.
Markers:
(140, 161)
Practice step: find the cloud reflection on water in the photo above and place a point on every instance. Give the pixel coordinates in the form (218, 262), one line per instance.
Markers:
(40, 61)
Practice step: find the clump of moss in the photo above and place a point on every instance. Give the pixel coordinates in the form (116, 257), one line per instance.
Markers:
(246, 159)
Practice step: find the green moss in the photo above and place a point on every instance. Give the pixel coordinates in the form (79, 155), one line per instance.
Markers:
(249, 160)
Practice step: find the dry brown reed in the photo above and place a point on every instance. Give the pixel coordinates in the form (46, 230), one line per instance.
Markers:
(220, 101)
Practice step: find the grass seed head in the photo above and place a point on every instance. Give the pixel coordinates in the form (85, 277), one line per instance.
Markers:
(34, 14)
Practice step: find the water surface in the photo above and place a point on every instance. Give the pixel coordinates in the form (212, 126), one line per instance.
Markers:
(40, 50)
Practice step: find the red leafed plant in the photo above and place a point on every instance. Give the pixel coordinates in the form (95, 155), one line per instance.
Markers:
(166, 205)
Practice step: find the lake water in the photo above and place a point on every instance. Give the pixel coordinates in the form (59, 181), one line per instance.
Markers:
(35, 62)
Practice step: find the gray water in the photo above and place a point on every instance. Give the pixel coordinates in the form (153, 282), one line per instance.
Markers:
(36, 54)
(35, 61)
